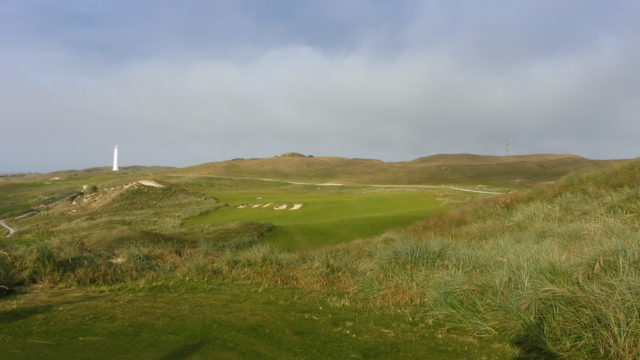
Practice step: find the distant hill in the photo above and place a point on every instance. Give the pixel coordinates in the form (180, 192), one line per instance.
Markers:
(441, 168)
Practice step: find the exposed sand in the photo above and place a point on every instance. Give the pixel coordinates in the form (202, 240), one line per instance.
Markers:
(281, 207)
(150, 183)
(9, 228)
(118, 260)
(296, 206)
(267, 205)
(242, 206)
(256, 206)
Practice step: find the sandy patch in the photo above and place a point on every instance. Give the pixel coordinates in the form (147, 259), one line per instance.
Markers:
(242, 206)
(150, 183)
(296, 207)
(9, 228)
(281, 207)
(256, 206)
(118, 260)
(267, 205)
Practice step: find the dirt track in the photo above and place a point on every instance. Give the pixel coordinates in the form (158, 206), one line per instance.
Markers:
(9, 228)
(456, 188)
(398, 186)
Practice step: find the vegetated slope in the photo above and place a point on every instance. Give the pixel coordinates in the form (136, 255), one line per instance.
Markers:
(454, 168)
(126, 213)
(555, 270)
(27, 192)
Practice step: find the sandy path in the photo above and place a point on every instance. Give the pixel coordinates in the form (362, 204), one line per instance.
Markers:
(26, 214)
(399, 186)
(435, 187)
(9, 228)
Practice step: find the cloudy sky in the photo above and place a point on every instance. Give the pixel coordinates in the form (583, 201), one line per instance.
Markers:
(186, 82)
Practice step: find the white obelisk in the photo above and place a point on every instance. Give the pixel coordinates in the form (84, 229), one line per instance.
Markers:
(115, 159)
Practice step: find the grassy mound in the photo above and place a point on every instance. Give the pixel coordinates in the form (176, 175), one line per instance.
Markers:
(439, 169)
(292, 154)
(554, 271)
(139, 197)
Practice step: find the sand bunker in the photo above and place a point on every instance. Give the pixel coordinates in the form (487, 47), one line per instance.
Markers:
(281, 207)
(150, 183)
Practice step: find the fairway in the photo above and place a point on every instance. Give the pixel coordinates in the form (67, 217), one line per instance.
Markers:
(215, 321)
(328, 215)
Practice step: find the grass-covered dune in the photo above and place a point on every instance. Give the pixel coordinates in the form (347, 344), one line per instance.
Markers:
(438, 169)
(555, 271)
(549, 272)
(23, 192)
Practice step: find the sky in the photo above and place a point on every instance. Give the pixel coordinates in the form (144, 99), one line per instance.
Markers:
(180, 83)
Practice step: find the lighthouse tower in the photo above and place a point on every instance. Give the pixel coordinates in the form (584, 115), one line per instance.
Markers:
(115, 159)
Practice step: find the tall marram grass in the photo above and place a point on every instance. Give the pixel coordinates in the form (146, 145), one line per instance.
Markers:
(555, 271)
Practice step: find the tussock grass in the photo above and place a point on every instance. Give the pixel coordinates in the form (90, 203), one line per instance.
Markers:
(555, 271)
(451, 168)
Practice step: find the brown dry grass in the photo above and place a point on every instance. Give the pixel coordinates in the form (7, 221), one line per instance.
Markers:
(453, 168)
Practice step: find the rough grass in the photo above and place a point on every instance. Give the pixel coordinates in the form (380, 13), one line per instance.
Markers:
(19, 194)
(439, 169)
(553, 271)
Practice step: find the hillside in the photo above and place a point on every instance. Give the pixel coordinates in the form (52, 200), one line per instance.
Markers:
(543, 273)
(552, 270)
(436, 169)
(22, 193)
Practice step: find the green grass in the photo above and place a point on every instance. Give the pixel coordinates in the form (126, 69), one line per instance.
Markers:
(22, 193)
(437, 169)
(328, 215)
(552, 271)
(216, 321)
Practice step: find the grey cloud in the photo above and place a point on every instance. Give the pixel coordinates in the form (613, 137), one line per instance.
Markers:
(299, 99)
(421, 88)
